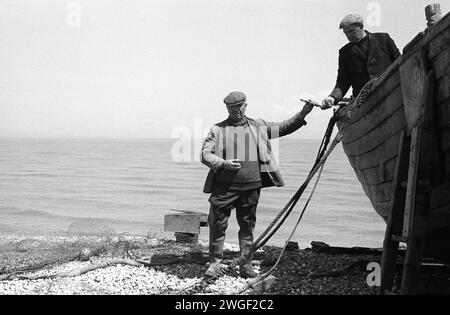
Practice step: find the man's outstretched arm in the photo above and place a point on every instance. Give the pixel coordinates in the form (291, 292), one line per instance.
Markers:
(280, 129)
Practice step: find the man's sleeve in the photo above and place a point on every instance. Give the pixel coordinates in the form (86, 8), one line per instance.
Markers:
(280, 129)
(343, 81)
(393, 50)
(207, 155)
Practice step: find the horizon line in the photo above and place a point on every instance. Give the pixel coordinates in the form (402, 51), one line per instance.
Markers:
(120, 138)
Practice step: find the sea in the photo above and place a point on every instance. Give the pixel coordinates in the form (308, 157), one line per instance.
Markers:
(129, 185)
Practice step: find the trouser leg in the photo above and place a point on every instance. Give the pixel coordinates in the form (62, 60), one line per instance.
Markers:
(218, 223)
(246, 217)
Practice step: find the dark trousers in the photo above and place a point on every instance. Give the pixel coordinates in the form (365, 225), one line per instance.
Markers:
(222, 202)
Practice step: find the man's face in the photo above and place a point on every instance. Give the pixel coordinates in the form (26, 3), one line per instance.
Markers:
(236, 112)
(354, 33)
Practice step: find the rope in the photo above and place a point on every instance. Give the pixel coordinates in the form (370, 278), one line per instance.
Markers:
(83, 270)
(319, 163)
(264, 238)
(263, 276)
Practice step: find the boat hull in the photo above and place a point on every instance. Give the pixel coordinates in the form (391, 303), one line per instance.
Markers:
(372, 140)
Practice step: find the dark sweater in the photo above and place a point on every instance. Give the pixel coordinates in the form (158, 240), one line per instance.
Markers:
(359, 62)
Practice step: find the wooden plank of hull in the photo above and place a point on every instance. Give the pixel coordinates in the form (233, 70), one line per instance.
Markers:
(445, 142)
(439, 42)
(440, 64)
(447, 164)
(380, 174)
(382, 208)
(442, 89)
(381, 192)
(443, 117)
(387, 128)
(381, 154)
(371, 113)
(440, 196)
(440, 207)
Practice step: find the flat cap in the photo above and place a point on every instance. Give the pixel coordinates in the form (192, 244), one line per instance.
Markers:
(351, 19)
(235, 98)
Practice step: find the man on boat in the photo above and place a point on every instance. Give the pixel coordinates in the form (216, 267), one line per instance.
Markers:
(366, 56)
(238, 153)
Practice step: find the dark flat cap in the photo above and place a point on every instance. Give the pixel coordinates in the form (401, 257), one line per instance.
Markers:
(235, 98)
(351, 19)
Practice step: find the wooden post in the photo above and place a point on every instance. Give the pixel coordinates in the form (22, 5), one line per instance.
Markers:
(417, 88)
(394, 225)
(422, 197)
(433, 13)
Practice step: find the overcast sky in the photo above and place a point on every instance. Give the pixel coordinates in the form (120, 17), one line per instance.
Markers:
(139, 69)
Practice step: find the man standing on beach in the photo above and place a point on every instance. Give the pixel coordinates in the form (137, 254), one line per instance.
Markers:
(238, 153)
(366, 56)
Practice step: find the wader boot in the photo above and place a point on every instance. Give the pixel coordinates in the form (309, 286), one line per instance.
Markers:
(218, 222)
(214, 268)
(246, 217)
(245, 267)
(215, 257)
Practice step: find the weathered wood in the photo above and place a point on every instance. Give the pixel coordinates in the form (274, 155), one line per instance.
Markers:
(412, 74)
(383, 152)
(433, 13)
(434, 35)
(447, 163)
(384, 130)
(322, 247)
(443, 114)
(188, 222)
(418, 194)
(445, 139)
(372, 176)
(371, 108)
(415, 86)
(412, 180)
(394, 226)
(383, 87)
(439, 218)
(440, 64)
(382, 208)
(379, 94)
(442, 89)
(440, 195)
(440, 40)
(381, 192)
(379, 114)
(186, 237)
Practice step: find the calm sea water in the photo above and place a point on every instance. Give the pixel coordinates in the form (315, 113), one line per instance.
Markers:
(45, 185)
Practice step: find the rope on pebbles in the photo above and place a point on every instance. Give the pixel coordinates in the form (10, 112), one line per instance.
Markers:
(81, 271)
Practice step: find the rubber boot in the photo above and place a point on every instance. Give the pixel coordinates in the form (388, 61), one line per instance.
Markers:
(218, 222)
(213, 269)
(215, 256)
(245, 268)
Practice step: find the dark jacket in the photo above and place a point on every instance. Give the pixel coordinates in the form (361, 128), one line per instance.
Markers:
(358, 66)
(262, 131)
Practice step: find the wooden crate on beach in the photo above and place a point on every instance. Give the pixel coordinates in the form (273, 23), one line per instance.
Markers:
(186, 224)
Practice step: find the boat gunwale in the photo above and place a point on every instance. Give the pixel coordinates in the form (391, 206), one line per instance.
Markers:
(417, 43)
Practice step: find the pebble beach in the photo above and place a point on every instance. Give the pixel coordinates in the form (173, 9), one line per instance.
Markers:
(162, 266)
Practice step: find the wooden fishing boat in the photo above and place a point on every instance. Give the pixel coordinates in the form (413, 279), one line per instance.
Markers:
(398, 143)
